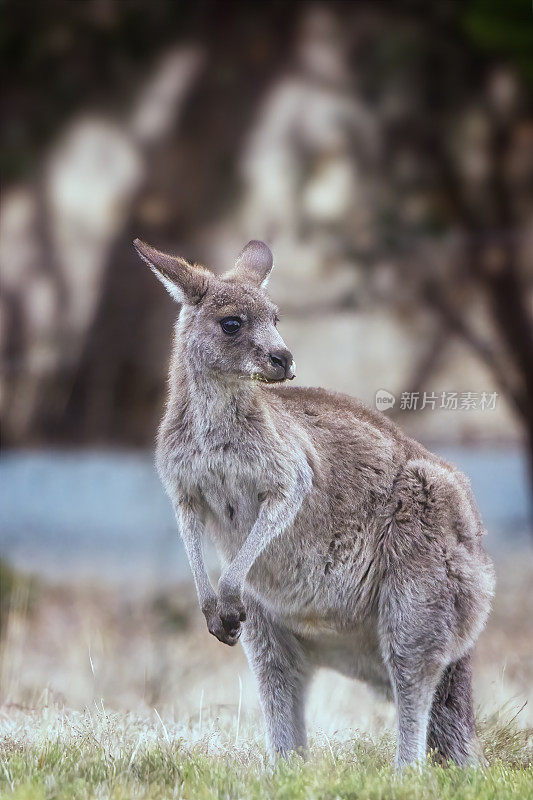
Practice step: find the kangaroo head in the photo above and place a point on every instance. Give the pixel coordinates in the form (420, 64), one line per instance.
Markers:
(227, 324)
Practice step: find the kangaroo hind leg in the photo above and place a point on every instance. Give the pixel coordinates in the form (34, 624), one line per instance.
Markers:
(452, 730)
(282, 672)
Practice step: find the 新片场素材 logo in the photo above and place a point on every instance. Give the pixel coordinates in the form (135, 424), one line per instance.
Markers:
(384, 400)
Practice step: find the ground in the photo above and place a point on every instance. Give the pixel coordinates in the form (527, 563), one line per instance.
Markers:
(121, 693)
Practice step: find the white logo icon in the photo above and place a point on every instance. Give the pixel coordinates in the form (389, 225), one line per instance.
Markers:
(384, 400)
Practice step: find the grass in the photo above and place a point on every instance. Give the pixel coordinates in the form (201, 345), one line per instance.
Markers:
(17, 592)
(80, 756)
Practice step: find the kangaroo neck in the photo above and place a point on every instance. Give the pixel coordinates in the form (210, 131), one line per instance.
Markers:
(219, 402)
(214, 403)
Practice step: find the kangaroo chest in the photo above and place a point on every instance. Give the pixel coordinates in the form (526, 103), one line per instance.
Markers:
(227, 487)
(230, 501)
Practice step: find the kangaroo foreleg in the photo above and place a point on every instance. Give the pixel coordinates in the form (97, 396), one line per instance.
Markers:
(277, 513)
(225, 626)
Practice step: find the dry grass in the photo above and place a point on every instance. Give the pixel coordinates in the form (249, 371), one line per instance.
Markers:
(109, 693)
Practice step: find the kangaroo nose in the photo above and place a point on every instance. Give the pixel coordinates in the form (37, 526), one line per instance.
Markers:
(282, 360)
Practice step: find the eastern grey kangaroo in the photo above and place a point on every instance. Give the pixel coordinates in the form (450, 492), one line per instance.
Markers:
(343, 542)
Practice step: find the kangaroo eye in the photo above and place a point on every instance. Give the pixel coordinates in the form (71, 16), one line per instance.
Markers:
(230, 325)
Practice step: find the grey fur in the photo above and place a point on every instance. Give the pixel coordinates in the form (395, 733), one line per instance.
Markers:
(343, 542)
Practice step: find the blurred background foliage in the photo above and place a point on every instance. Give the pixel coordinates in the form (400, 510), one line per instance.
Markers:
(501, 30)
(109, 46)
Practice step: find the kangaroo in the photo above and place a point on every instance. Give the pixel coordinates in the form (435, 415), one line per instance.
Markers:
(343, 542)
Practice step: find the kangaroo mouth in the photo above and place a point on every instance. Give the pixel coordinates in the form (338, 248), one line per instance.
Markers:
(260, 378)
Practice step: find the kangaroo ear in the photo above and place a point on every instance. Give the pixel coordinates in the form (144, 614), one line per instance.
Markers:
(253, 265)
(183, 281)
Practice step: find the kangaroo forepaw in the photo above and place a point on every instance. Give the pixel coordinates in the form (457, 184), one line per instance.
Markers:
(225, 622)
